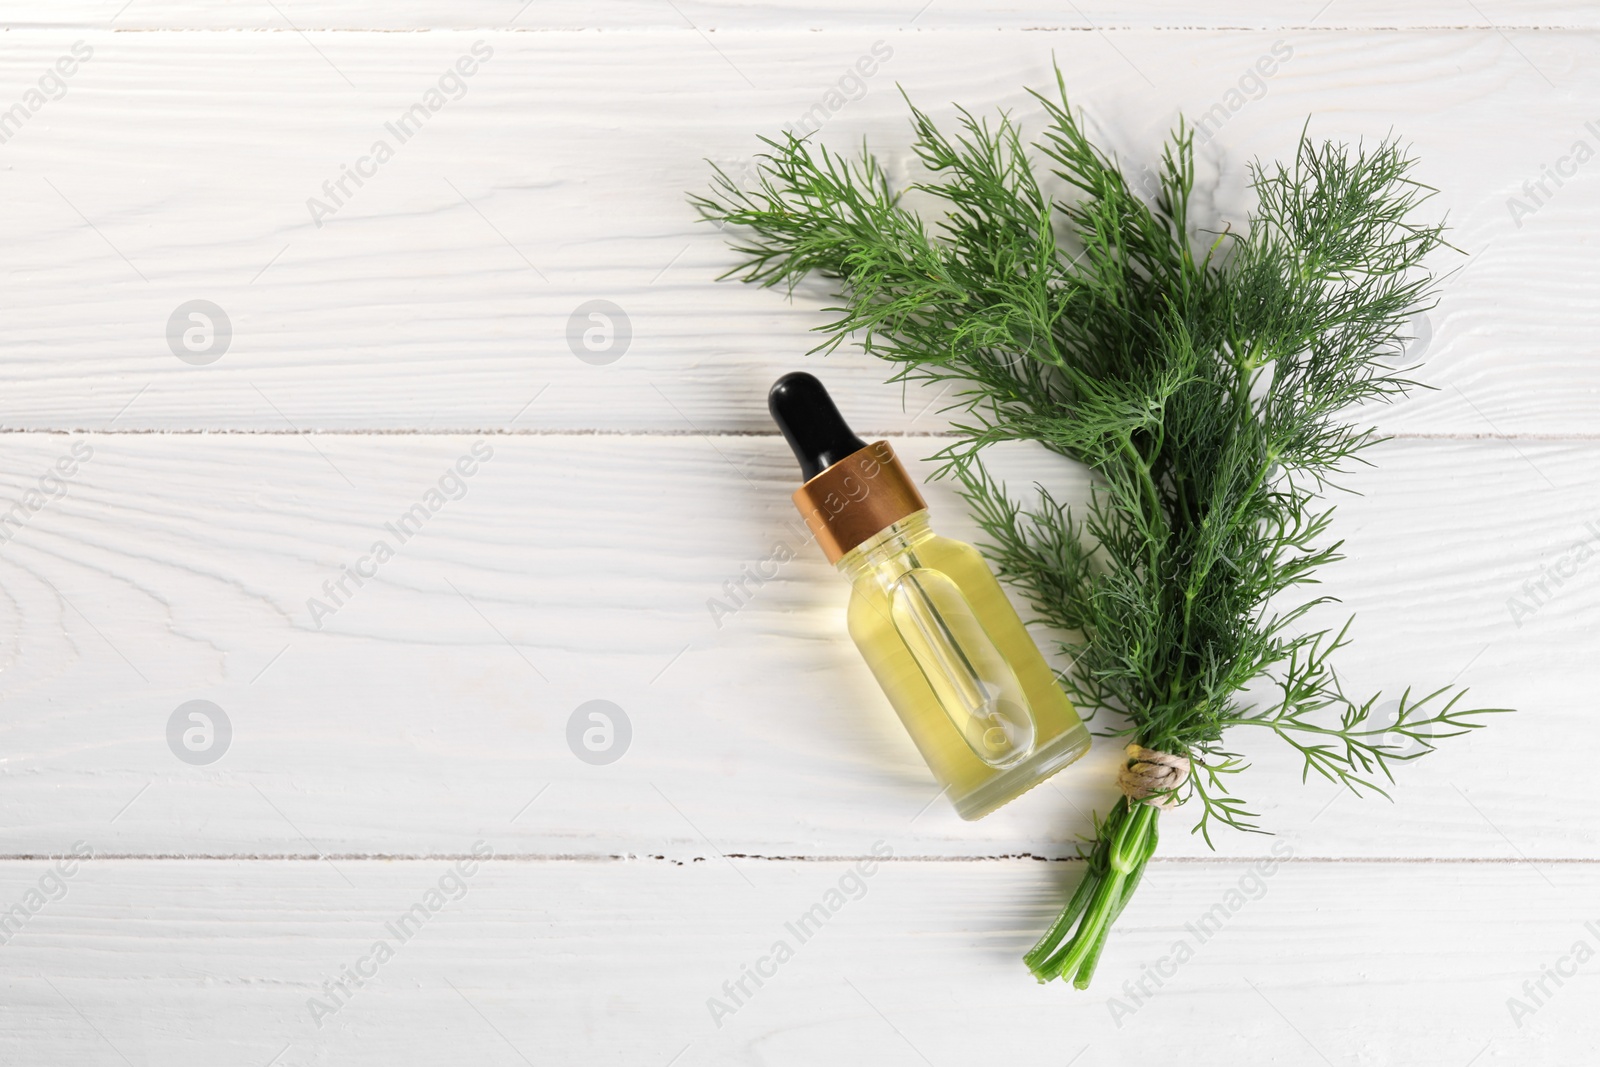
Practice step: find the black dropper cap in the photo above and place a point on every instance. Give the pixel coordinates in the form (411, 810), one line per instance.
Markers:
(811, 423)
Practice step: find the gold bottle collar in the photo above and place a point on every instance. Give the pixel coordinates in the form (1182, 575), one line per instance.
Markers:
(857, 498)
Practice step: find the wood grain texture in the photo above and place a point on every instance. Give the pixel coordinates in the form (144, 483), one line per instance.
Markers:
(714, 15)
(179, 166)
(216, 962)
(434, 702)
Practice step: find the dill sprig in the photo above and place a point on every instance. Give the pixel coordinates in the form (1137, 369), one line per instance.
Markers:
(1205, 378)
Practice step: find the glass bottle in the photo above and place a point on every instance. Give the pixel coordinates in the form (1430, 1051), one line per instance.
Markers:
(933, 624)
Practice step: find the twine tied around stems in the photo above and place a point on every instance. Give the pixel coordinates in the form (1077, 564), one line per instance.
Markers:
(1153, 777)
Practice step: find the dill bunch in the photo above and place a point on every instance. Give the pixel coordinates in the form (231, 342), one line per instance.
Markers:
(1204, 378)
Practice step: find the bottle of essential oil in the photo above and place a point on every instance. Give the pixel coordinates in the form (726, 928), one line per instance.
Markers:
(928, 616)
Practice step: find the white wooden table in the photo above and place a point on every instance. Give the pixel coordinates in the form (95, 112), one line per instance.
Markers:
(380, 747)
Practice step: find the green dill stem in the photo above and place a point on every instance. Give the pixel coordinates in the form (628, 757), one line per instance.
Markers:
(1128, 839)
(1157, 517)
(1058, 930)
(1094, 921)
(1086, 969)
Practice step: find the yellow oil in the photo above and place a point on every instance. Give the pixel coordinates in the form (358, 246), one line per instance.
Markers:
(958, 666)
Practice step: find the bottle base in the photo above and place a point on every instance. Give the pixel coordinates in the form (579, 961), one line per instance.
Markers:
(1008, 785)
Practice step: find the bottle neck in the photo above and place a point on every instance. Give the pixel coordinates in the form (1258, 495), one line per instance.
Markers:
(894, 540)
(857, 498)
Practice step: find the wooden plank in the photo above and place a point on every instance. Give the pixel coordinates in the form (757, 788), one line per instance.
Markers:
(218, 962)
(434, 701)
(439, 294)
(741, 14)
